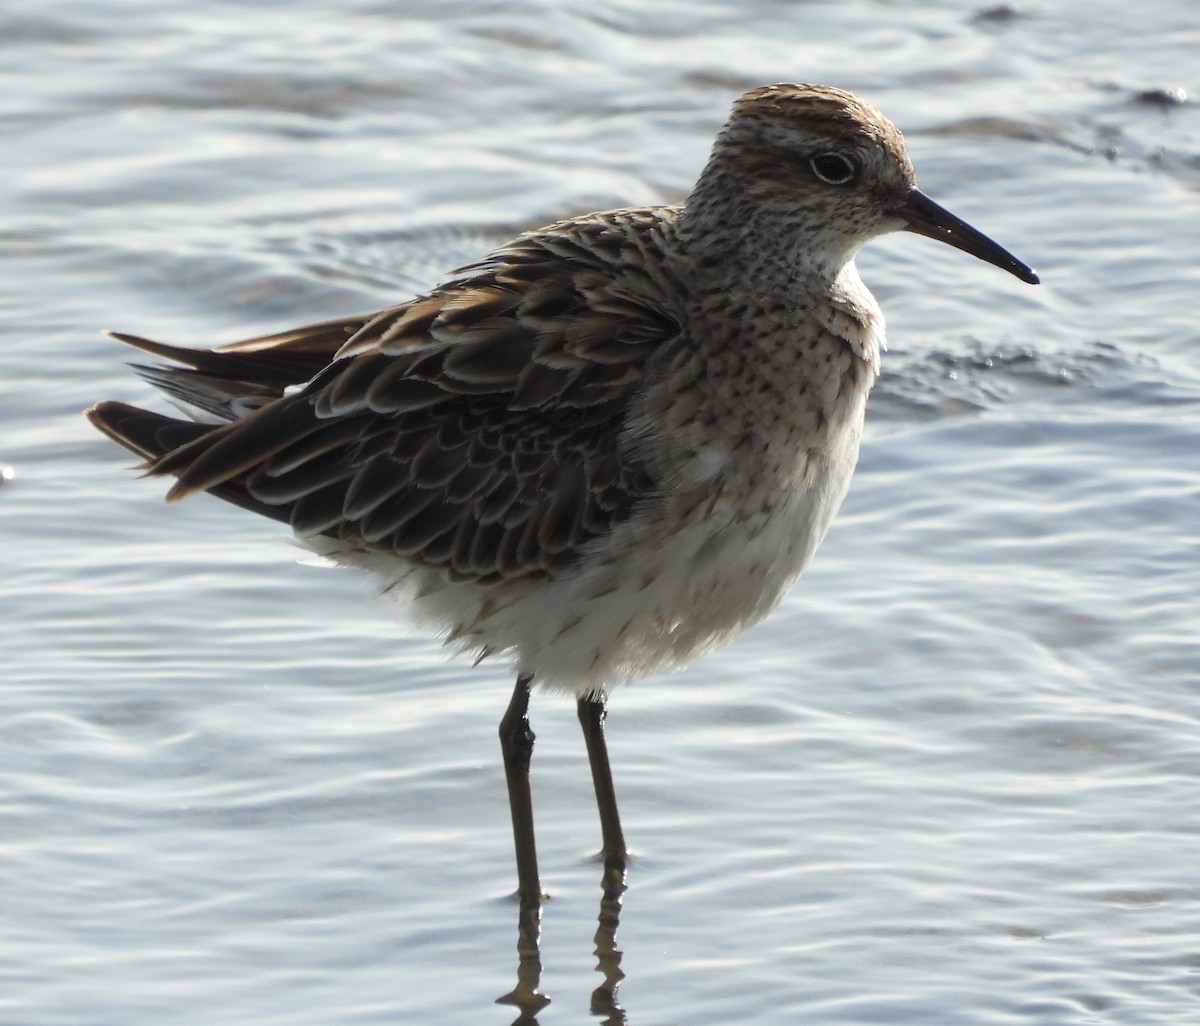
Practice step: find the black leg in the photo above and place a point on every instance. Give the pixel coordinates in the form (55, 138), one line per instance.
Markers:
(516, 742)
(591, 718)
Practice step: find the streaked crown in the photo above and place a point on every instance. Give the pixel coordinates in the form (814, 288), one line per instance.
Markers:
(812, 156)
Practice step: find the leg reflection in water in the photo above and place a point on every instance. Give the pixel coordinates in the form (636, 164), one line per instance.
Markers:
(608, 956)
(526, 997)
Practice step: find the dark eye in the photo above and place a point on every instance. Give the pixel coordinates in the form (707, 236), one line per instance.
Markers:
(833, 168)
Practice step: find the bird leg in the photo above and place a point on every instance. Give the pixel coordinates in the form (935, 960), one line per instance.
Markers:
(591, 717)
(516, 744)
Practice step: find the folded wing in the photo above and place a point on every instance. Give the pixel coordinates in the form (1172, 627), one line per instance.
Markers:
(476, 430)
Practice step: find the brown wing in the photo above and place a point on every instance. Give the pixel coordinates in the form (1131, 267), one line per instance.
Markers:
(475, 430)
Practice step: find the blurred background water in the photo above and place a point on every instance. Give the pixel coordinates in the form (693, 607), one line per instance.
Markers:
(955, 779)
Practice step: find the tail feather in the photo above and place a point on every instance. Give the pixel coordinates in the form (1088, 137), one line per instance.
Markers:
(286, 358)
(238, 383)
(152, 436)
(206, 397)
(228, 382)
(143, 433)
(222, 454)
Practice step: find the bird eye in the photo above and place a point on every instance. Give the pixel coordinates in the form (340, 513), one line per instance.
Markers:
(833, 168)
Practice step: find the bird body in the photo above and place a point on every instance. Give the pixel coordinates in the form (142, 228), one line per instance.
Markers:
(678, 462)
(733, 472)
(613, 443)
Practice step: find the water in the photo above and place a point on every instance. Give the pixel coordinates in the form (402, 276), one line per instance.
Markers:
(952, 781)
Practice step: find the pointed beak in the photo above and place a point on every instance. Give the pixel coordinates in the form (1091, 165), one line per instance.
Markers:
(923, 216)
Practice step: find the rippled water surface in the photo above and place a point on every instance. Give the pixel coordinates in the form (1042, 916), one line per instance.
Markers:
(955, 779)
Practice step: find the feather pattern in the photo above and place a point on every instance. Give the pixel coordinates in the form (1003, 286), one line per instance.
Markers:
(475, 430)
(611, 444)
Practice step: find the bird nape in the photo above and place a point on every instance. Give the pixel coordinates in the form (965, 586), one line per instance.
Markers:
(612, 444)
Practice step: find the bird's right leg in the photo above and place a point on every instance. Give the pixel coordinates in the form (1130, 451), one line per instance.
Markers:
(592, 713)
(516, 743)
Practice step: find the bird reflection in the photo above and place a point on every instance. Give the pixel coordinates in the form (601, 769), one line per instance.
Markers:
(608, 955)
(526, 996)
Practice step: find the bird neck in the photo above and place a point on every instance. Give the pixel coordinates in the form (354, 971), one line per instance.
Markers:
(754, 249)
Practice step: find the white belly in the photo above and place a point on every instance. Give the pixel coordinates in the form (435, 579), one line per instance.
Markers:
(705, 562)
(656, 594)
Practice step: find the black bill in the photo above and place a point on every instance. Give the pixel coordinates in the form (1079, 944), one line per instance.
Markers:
(925, 217)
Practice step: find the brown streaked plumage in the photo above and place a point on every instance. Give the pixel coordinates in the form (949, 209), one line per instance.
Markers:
(612, 444)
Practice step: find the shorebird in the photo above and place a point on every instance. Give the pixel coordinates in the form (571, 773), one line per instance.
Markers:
(612, 444)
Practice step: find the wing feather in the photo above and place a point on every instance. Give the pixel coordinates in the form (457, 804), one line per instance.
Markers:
(476, 430)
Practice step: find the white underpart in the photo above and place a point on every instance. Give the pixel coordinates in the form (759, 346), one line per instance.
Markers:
(653, 595)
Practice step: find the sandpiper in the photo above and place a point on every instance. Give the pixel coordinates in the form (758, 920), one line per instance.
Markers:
(610, 445)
